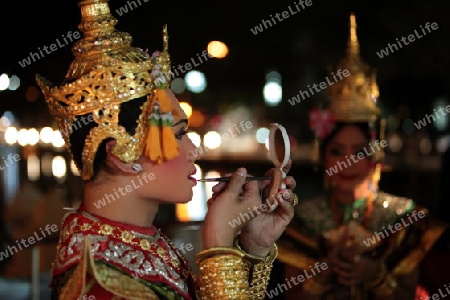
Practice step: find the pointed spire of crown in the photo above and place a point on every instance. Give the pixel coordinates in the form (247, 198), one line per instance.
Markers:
(100, 41)
(352, 98)
(353, 43)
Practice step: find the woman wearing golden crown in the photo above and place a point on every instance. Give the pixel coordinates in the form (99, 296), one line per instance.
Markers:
(131, 136)
(371, 241)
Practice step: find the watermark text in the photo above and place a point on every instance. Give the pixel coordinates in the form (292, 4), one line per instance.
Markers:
(273, 20)
(391, 48)
(282, 287)
(360, 155)
(24, 243)
(122, 191)
(319, 87)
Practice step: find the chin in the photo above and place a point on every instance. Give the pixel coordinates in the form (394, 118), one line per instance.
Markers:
(185, 197)
(347, 186)
(185, 200)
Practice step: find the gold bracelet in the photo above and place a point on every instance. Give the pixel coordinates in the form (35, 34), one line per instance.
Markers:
(260, 271)
(261, 274)
(270, 258)
(224, 274)
(213, 251)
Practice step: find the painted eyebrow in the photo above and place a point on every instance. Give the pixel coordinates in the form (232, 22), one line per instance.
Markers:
(181, 121)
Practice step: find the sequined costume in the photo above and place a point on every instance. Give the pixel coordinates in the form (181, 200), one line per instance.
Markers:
(118, 259)
(402, 246)
(110, 260)
(98, 258)
(392, 230)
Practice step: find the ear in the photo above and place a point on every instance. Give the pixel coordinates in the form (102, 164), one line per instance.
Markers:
(114, 162)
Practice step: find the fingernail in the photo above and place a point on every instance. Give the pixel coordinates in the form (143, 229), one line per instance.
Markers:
(241, 172)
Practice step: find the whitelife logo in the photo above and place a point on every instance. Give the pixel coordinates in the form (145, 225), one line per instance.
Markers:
(9, 161)
(411, 38)
(77, 125)
(359, 155)
(244, 125)
(393, 229)
(128, 188)
(319, 267)
(35, 56)
(31, 240)
(319, 87)
(439, 296)
(281, 16)
(177, 71)
(130, 5)
(258, 210)
(431, 118)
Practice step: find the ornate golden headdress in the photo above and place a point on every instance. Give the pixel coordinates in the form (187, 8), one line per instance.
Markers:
(353, 98)
(106, 72)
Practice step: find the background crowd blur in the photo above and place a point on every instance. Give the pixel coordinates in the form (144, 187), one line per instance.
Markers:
(247, 77)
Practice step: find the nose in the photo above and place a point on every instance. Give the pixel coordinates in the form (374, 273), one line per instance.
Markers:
(193, 153)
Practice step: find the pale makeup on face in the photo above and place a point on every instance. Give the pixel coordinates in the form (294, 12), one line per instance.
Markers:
(347, 142)
(173, 181)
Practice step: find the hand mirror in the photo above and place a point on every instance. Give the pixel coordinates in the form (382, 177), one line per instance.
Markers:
(279, 149)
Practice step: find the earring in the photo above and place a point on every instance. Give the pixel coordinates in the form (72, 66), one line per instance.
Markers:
(137, 167)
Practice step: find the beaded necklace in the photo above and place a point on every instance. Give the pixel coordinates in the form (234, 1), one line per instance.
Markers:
(367, 213)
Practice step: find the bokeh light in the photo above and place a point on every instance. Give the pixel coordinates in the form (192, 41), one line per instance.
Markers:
(177, 85)
(32, 93)
(33, 136)
(217, 49)
(262, 134)
(212, 139)
(59, 168)
(197, 119)
(195, 138)
(14, 83)
(273, 76)
(408, 126)
(272, 93)
(11, 135)
(4, 81)
(187, 108)
(195, 81)
(46, 135)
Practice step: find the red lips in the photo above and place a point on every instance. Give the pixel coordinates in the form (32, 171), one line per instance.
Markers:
(347, 177)
(192, 178)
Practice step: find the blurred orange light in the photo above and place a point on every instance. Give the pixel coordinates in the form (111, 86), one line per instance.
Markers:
(32, 93)
(217, 49)
(181, 212)
(187, 108)
(196, 119)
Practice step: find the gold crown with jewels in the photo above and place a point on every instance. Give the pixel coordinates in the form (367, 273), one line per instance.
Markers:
(106, 72)
(354, 98)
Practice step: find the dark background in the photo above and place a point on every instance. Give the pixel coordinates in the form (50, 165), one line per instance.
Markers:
(301, 48)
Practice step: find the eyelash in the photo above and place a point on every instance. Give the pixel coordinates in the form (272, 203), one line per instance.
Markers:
(180, 134)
